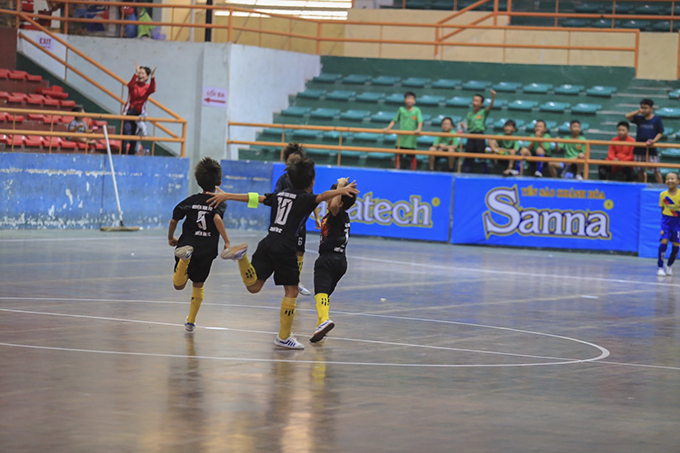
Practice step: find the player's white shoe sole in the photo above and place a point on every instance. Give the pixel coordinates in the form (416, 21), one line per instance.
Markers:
(660, 272)
(669, 271)
(304, 291)
(289, 343)
(234, 253)
(184, 252)
(538, 174)
(189, 326)
(322, 331)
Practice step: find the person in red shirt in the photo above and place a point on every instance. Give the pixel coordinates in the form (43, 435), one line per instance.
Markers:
(138, 93)
(619, 153)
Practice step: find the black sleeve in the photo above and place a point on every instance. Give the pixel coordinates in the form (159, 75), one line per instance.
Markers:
(269, 199)
(220, 210)
(179, 212)
(310, 201)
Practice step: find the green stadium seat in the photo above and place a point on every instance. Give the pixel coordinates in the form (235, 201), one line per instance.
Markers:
(537, 88)
(633, 24)
(476, 85)
(355, 115)
(589, 8)
(590, 109)
(601, 91)
(502, 6)
(575, 23)
(500, 124)
(569, 89)
(675, 94)
(601, 23)
(649, 9)
(296, 111)
(507, 87)
(668, 132)
(458, 101)
(665, 25)
(382, 117)
(273, 132)
(442, 5)
(356, 79)
(431, 100)
(385, 80)
(497, 104)
(621, 8)
(426, 117)
(367, 137)
(301, 134)
(334, 136)
(324, 113)
(312, 94)
(672, 153)
(417, 4)
(327, 78)
(426, 141)
(340, 95)
(667, 112)
(321, 153)
(416, 82)
(370, 96)
(552, 106)
(390, 139)
(437, 121)
(395, 98)
(550, 125)
(564, 127)
(522, 105)
(449, 84)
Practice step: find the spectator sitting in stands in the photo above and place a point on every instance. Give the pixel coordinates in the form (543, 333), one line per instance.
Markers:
(81, 125)
(409, 118)
(571, 151)
(621, 153)
(538, 148)
(138, 93)
(448, 144)
(507, 146)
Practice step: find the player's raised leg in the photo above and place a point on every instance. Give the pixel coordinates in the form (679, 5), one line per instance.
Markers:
(181, 274)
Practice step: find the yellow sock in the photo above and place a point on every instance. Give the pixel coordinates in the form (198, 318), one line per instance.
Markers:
(322, 307)
(300, 259)
(248, 273)
(196, 301)
(181, 274)
(287, 316)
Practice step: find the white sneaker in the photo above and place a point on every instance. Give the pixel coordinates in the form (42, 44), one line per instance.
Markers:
(189, 326)
(289, 343)
(304, 291)
(511, 172)
(184, 252)
(234, 253)
(661, 272)
(322, 331)
(669, 271)
(579, 177)
(538, 174)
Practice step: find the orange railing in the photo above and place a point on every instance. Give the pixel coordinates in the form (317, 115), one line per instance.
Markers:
(587, 162)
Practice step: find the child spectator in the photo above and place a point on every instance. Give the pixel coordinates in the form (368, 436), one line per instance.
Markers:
(409, 118)
(138, 93)
(669, 202)
(542, 148)
(475, 123)
(620, 153)
(448, 144)
(572, 151)
(508, 147)
(649, 130)
(81, 125)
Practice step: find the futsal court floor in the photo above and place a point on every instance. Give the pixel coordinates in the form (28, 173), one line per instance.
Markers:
(436, 348)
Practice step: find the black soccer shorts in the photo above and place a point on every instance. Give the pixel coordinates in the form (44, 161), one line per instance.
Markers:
(301, 238)
(199, 267)
(329, 268)
(284, 266)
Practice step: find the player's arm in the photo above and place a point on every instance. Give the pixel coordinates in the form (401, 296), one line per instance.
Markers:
(317, 218)
(631, 115)
(336, 202)
(349, 189)
(219, 224)
(220, 197)
(493, 98)
(171, 232)
(390, 126)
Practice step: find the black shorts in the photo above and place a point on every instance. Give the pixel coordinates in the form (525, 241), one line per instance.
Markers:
(302, 238)
(475, 145)
(328, 270)
(199, 267)
(267, 261)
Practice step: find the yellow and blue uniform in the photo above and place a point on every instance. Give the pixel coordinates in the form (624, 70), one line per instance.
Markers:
(670, 219)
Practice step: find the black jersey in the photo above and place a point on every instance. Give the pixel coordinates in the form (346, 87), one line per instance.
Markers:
(290, 208)
(283, 183)
(334, 232)
(199, 230)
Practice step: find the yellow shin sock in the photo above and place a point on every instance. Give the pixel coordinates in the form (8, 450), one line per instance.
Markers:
(196, 301)
(322, 307)
(181, 275)
(287, 316)
(248, 273)
(300, 259)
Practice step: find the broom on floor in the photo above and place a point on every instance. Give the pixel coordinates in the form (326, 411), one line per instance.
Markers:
(120, 226)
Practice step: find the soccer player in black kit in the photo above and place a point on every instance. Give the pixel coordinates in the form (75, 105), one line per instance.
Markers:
(197, 247)
(276, 253)
(331, 264)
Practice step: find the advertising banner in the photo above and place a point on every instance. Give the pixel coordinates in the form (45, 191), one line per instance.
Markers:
(650, 223)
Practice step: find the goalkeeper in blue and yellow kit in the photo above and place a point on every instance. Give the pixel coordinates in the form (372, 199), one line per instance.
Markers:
(669, 201)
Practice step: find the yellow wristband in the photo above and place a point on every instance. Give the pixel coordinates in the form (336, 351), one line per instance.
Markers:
(253, 199)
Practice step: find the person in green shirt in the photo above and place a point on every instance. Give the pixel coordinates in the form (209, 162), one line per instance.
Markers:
(542, 148)
(508, 147)
(571, 151)
(448, 144)
(475, 123)
(409, 118)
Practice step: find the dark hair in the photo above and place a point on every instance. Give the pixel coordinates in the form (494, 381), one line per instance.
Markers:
(448, 118)
(510, 123)
(409, 93)
(647, 101)
(625, 124)
(673, 173)
(479, 96)
(146, 69)
(293, 148)
(574, 122)
(347, 200)
(78, 108)
(540, 121)
(208, 174)
(301, 173)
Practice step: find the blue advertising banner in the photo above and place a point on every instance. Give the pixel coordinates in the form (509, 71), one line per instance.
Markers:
(395, 204)
(650, 223)
(546, 213)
